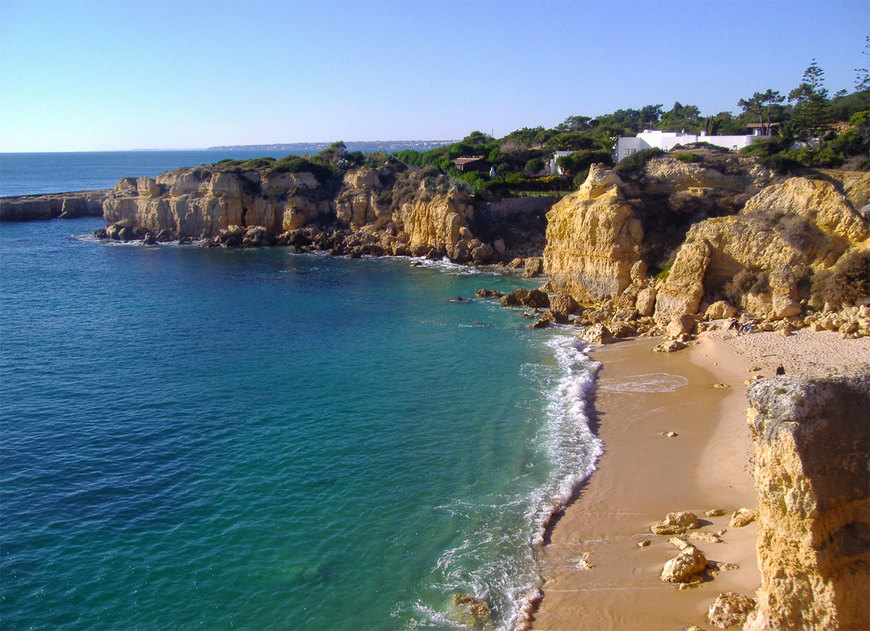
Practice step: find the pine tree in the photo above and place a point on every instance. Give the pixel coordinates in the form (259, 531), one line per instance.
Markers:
(811, 103)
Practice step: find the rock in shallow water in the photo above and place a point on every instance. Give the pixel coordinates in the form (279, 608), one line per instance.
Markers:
(471, 611)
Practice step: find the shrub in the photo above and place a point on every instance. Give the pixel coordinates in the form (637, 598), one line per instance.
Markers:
(688, 157)
(844, 284)
(740, 285)
(780, 162)
(637, 161)
(257, 163)
(850, 143)
(582, 160)
(761, 285)
(535, 165)
(296, 164)
(665, 271)
(765, 146)
(430, 170)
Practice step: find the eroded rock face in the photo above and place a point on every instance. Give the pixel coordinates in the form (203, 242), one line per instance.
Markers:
(812, 439)
(797, 222)
(51, 206)
(593, 240)
(364, 212)
(437, 222)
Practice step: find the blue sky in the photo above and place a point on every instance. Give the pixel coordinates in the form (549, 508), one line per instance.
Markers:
(95, 75)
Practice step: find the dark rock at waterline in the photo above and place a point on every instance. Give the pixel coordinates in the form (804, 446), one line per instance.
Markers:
(471, 611)
(120, 232)
(526, 298)
(488, 293)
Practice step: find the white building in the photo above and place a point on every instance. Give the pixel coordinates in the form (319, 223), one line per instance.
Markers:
(552, 167)
(667, 140)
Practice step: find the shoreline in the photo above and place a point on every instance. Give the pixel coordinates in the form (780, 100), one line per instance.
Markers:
(595, 575)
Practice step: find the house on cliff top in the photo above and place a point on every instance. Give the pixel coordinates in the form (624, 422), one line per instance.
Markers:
(473, 163)
(667, 140)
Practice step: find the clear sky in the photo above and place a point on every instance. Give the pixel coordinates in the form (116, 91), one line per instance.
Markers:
(134, 74)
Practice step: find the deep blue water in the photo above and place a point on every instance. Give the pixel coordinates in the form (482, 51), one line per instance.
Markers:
(216, 439)
(32, 173)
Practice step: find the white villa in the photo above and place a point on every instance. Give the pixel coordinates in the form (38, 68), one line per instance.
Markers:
(667, 140)
(552, 167)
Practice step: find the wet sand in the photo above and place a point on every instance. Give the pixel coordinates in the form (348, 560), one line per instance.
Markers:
(596, 576)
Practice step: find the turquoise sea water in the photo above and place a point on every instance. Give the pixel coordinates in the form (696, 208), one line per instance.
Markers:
(215, 439)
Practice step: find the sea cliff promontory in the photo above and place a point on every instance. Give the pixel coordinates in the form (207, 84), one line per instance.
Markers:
(53, 206)
(385, 211)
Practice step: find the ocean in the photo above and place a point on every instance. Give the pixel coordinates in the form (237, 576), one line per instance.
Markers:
(33, 173)
(258, 439)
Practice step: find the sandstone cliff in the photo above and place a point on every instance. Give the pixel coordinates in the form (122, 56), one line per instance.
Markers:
(812, 438)
(593, 240)
(785, 233)
(365, 211)
(725, 228)
(53, 206)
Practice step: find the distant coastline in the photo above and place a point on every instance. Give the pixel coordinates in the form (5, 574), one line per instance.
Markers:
(366, 146)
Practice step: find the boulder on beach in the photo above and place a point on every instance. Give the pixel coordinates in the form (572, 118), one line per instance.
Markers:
(675, 524)
(596, 334)
(742, 517)
(687, 565)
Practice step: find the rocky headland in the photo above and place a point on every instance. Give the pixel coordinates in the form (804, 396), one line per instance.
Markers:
(53, 206)
(367, 211)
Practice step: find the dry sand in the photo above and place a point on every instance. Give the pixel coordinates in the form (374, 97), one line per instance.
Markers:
(596, 576)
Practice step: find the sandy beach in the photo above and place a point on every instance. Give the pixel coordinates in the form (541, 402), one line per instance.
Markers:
(596, 575)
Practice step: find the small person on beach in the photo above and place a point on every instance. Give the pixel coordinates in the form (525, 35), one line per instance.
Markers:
(734, 324)
(780, 370)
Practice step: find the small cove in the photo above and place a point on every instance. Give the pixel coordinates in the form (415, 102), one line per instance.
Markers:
(256, 438)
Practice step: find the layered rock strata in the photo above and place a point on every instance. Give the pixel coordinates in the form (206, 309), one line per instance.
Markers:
(53, 206)
(812, 440)
(593, 240)
(370, 211)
